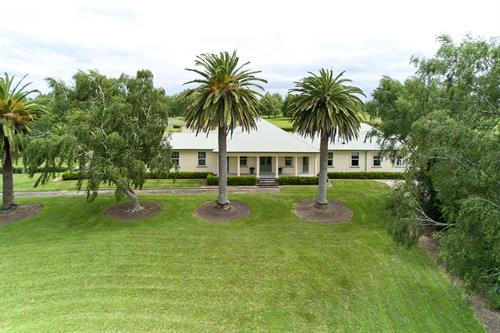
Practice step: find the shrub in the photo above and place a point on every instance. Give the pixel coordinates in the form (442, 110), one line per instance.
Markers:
(366, 175)
(179, 175)
(233, 180)
(74, 175)
(18, 170)
(295, 180)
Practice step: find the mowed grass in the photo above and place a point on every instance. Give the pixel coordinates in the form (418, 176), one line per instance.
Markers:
(72, 269)
(25, 183)
(281, 122)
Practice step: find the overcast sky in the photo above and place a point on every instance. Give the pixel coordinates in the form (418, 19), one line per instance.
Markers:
(284, 39)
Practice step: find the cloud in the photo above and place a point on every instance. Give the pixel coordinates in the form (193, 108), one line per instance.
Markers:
(285, 40)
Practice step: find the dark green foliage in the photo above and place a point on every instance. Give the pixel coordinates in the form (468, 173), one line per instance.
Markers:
(366, 175)
(19, 170)
(179, 175)
(113, 128)
(233, 180)
(270, 105)
(445, 122)
(292, 180)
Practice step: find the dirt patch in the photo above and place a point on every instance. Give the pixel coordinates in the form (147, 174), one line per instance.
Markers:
(335, 212)
(119, 212)
(490, 318)
(19, 213)
(210, 212)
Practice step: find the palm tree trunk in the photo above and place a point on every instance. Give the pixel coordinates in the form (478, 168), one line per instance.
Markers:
(136, 206)
(222, 202)
(321, 201)
(8, 177)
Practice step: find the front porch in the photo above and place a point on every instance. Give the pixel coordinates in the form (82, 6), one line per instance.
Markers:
(273, 166)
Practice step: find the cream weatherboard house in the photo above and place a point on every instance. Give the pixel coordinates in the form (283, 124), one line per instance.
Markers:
(270, 151)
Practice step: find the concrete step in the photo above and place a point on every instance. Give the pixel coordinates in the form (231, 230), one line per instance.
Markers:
(267, 182)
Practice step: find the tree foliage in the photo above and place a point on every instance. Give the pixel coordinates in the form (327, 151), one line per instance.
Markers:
(326, 106)
(17, 112)
(270, 105)
(226, 97)
(445, 120)
(113, 129)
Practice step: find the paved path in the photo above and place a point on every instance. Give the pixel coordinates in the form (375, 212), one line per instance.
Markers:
(179, 190)
(390, 182)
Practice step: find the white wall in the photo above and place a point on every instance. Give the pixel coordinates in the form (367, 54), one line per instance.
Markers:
(188, 161)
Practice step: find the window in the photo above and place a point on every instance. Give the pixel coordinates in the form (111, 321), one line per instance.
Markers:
(243, 160)
(400, 162)
(377, 160)
(355, 159)
(330, 158)
(175, 158)
(288, 161)
(305, 164)
(202, 158)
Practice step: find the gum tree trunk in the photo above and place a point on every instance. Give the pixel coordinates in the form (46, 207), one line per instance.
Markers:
(8, 178)
(136, 206)
(222, 202)
(321, 201)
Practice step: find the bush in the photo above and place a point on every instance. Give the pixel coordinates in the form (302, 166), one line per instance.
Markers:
(366, 175)
(233, 180)
(292, 180)
(18, 170)
(179, 175)
(74, 175)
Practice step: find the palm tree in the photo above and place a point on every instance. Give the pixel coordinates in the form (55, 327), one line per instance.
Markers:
(224, 99)
(16, 113)
(325, 106)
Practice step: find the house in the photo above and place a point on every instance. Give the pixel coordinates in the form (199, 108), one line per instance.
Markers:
(270, 151)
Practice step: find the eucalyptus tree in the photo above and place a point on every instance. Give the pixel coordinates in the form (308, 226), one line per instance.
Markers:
(270, 105)
(324, 105)
(17, 111)
(113, 129)
(226, 97)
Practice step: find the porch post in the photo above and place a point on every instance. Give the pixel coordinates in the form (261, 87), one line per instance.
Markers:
(314, 166)
(296, 166)
(238, 166)
(258, 166)
(277, 169)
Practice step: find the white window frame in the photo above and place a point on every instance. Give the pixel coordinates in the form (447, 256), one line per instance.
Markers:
(330, 160)
(377, 154)
(289, 158)
(353, 153)
(176, 160)
(245, 158)
(399, 162)
(204, 159)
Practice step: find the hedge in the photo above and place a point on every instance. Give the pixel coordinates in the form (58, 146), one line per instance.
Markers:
(291, 180)
(75, 175)
(366, 175)
(179, 175)
(233, 180)
(18, 170)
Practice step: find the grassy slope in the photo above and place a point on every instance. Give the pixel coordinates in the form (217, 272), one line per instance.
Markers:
(71, 269)
(281, 122)
(24, 183)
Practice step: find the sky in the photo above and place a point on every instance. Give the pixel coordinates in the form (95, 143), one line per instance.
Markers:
(283, 39)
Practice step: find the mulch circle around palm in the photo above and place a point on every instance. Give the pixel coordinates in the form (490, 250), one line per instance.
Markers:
(210, 212)
(335, 212)
(120, 213)
(19, 213)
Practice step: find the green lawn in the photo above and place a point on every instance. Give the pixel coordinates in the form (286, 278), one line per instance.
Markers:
(281, 122)
(24, 183)
(72, 269)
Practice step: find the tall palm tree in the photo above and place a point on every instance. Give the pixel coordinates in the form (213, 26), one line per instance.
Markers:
(324, 105)
(16, 113)
(224, 99)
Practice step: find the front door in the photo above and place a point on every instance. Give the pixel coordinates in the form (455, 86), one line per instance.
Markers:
(305, 164)
(266, 164)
